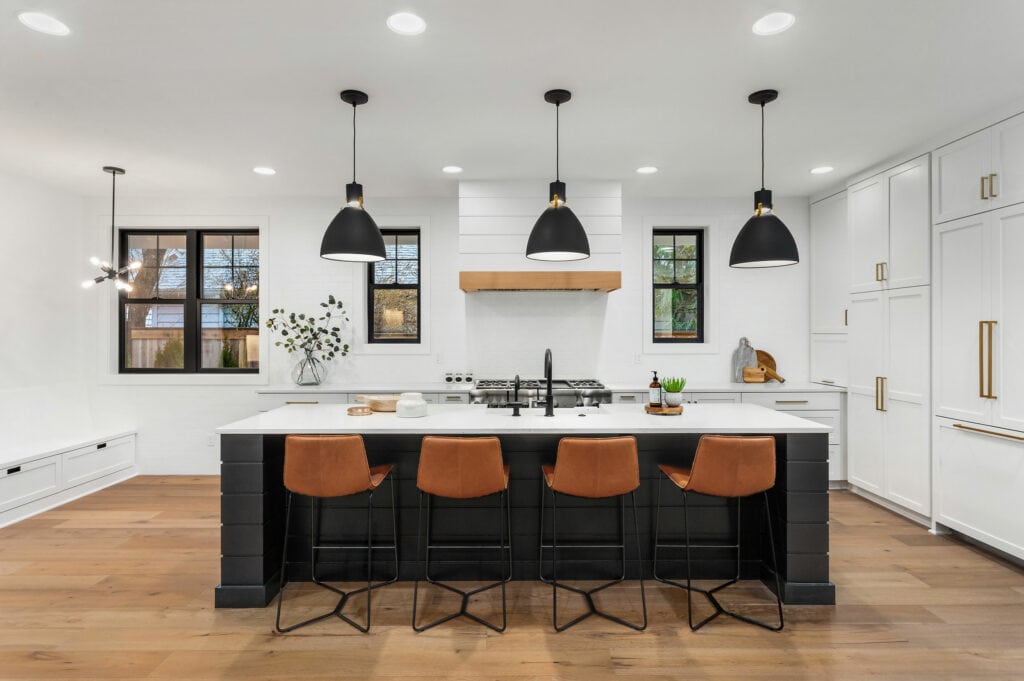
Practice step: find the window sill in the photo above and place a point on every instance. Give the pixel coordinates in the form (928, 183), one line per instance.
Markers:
(185, 379)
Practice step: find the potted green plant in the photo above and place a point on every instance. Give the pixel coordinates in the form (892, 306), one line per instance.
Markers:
(673, 388)
(317, 338)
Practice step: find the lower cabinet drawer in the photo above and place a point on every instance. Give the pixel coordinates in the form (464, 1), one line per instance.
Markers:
(980, 482)
(89, 463)
(29, 481)
(711, 398)
(794, 401)
(629, 398)
(268, 401)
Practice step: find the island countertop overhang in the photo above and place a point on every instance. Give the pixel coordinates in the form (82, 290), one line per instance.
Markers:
(446, 419)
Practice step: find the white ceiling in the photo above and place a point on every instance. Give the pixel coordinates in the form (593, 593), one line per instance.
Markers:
(189, 95)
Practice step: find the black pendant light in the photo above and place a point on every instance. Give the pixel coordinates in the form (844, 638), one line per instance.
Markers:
(764, 241)
(557, 234)
(110, 272)
(352, 234)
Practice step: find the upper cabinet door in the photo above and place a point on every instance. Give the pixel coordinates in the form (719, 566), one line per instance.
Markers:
(830, 271)
(1007, 333)
(961, 171)
(962, 293)
(868, 213)
(1007, 181)
(909, 261)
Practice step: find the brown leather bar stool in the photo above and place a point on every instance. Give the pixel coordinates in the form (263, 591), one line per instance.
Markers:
(463, 468)
(593, 468)
(328, 466)
(723, 466)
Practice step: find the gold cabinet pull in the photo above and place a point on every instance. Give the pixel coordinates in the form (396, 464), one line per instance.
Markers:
(846, 317)
(885, 386)
(988, 432)
(300, 402)
(983, 197)
(878, 271)
(981, 359)
(992, 186)
(878, 392)
(828, 380)
(884, 266)
(990, 325)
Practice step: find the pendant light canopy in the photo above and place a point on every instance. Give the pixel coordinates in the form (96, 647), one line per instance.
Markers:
(109, 271)
(352, 234)
(764, 241)
(557, 234)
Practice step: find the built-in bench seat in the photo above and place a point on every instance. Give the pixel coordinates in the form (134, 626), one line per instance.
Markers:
(53, 453)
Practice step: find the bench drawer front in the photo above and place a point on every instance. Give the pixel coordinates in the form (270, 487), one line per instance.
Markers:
(89, 463)
(29, 481)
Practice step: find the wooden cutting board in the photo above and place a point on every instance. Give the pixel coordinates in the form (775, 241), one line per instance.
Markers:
(765, 360)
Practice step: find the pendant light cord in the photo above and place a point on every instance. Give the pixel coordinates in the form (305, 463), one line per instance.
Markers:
(113, 196)
(354, 142)
(762, 145)
(557, 141)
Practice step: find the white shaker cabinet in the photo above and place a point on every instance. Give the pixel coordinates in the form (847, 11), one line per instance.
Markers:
(980, 172)
(888, 448)
(865, 463)
(868, 207)
(830, 271)
(830, 359)
(979, 319)
(889, 219)
(980, 482)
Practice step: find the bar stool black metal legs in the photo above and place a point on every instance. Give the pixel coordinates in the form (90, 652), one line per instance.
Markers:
(503, 546)
(326, 467)
(716, 472)
(588, 594)
(593, 468)
(463, 468)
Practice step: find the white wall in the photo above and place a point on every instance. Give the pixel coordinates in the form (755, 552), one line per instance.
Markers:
(497, 334)
(42, 387)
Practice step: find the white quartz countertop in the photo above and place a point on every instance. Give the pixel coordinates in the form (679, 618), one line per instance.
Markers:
(391, 388)
(445, 419)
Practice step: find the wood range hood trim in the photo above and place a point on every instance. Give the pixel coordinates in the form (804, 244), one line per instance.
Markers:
(541, 280)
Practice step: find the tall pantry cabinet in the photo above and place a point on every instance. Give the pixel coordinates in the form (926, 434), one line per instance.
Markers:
(889, 382)
(978, 335)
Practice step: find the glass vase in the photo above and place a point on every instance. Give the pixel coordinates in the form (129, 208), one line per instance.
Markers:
(310, 370)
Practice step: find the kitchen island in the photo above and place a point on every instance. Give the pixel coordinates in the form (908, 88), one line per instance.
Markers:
(252, 501)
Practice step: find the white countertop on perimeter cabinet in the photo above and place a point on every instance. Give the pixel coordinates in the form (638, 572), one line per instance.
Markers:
(771, 387)
(480, 420)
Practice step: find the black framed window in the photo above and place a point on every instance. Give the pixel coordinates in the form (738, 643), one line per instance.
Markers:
(194, 303)
(678, 281)
(393, 290)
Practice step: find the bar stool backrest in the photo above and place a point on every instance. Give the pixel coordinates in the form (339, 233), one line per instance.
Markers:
(733, 466)
(326, 465)
(461, 467)
(596, 467)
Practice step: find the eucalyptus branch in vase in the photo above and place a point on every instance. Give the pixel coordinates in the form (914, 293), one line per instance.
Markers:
(318, 338)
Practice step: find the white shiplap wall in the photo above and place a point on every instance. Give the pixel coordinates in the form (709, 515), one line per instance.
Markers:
(495, 219)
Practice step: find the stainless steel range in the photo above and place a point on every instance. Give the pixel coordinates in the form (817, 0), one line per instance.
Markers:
(574, 392)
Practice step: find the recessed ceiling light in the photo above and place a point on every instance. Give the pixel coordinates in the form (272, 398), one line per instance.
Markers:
(647, 170)
(406, 23)
(43, 23)
(264, 170)
(451, 170)
(773, 23)
(821, 170)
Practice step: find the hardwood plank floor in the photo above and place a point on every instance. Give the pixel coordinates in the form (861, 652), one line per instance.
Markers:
(119, 585)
